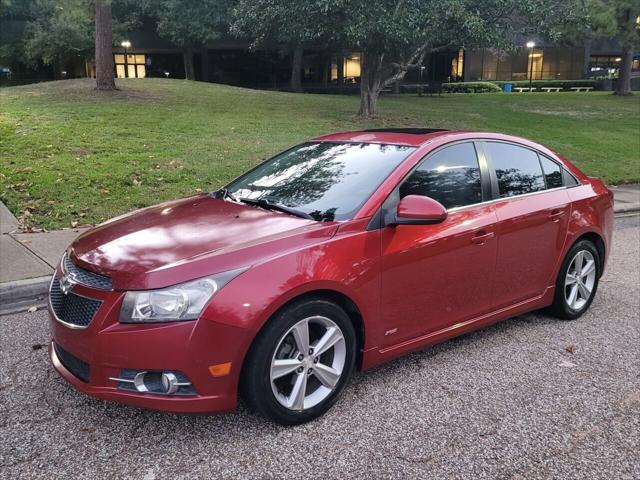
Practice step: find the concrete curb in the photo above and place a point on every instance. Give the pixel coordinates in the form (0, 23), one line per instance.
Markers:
(20, 295)
(627, 208)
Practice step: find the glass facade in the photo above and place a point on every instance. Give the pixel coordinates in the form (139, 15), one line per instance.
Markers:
(562, 63)
(608, 66)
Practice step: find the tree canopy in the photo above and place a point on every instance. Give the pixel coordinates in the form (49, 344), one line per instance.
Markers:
(617, 19)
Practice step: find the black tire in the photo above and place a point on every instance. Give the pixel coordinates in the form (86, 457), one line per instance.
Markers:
(255, 386)
(560, 308)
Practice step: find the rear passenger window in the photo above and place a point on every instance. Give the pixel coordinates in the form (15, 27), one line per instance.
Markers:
(451, 176)
(552, 172)
(518, 169)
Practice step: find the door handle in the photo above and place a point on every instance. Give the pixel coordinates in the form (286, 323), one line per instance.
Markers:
(481, 237)
(555, 215)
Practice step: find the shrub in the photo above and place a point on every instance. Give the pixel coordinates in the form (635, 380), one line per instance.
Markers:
(457, 87)
(470, 87)
(564, 84)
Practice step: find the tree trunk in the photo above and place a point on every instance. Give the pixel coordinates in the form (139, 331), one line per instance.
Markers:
(623, 86)
(586, 58)
(105, 77)
(204, 56)
(189, 70)
(370, 84)
(296, 68)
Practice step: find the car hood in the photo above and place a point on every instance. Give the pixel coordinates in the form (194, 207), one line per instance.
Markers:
(189, 238)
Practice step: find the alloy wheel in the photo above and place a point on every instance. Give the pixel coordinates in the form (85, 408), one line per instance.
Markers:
(580, 280)
(308, 363)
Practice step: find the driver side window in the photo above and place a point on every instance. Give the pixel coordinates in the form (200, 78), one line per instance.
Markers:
(451, 176)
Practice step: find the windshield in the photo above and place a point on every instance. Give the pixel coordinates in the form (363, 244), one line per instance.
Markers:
(328, 181)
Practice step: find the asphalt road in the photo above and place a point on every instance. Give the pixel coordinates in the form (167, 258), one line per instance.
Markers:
(532, 397)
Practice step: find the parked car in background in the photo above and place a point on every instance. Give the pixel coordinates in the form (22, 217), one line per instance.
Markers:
(341, 253)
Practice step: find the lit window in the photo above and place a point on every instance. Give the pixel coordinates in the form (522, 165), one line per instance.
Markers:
(130, 66)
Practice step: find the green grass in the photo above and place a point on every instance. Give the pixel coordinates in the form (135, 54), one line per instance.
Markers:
(70, 155)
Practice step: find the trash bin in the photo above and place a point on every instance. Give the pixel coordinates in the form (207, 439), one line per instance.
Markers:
(507, 87)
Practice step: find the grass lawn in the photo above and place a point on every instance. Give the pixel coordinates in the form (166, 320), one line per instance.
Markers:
(70, 155)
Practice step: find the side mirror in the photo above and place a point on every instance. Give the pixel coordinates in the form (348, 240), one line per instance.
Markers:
(419, 210)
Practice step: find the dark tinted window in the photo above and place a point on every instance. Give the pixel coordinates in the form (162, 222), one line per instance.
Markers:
(329, 181)
(569, 180)
(552, 172)
(451, 176)
(518, 169)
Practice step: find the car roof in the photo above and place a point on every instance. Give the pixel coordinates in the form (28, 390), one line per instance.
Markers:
(399, 136)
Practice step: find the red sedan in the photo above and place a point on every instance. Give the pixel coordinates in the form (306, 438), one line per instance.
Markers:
(341, 253)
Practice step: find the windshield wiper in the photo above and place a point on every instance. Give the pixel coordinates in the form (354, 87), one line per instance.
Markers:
(224, 193)
(267, 205)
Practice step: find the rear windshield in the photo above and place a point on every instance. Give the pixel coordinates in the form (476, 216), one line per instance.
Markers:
(329, 181)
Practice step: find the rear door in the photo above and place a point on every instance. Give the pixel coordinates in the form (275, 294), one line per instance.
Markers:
(434, 276)
(533, 210)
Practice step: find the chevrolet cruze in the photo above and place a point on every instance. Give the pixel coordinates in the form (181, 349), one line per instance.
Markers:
(341, 253)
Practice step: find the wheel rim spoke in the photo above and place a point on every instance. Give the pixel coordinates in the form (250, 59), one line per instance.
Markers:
(578, 261)
(584, 291)
(284, 367)
(588, 268)
(328, 376)
(573, 296)
(328, 340)
(300, 334)
(296, 398)
(571, 279)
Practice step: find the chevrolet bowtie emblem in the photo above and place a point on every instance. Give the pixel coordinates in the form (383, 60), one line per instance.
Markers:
(67, 281)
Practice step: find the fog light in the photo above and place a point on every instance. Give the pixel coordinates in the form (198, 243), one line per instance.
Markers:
(158, 382)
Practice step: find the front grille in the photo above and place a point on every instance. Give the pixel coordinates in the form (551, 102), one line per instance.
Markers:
(72, 308)
(85, 277)
(72, 363)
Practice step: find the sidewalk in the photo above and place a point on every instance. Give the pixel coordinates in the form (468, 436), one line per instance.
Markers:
(27, 260)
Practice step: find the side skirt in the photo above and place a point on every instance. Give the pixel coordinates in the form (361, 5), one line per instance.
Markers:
(375, 356)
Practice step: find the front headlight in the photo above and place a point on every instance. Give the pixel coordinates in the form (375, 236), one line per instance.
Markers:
(176, 303)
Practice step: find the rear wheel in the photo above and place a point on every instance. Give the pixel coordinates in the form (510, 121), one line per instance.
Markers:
(577, 281)
(300, 362)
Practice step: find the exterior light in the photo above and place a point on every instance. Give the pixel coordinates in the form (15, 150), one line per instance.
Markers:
(619, 59)
(125, 44)
(531, 44)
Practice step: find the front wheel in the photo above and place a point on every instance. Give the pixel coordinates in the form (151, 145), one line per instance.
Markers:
(577, 281)
(300, 362)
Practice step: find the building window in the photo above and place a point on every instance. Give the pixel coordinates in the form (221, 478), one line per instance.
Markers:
(534, 64)
(351, 69)
(130, 65)
(457, 65)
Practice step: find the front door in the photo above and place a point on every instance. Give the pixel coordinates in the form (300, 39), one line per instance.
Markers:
(434, 276)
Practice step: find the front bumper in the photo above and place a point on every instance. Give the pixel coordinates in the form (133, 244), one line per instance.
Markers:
(108, 347)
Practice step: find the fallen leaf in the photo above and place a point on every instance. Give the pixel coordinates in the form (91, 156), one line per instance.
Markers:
(569, 348)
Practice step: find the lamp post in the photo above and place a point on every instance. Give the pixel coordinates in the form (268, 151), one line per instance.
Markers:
(126, 44)
(530, 46)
